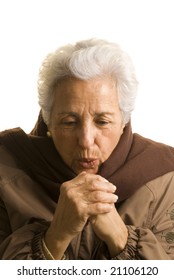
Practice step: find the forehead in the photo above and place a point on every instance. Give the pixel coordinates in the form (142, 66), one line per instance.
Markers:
(97, 94)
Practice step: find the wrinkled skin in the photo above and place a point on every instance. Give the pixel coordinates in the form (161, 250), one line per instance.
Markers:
(86, 125)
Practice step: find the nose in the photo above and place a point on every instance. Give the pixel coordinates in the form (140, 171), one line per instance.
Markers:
(86, 136)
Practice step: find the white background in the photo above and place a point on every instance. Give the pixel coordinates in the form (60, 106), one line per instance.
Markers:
(110, 270)
(29, 29)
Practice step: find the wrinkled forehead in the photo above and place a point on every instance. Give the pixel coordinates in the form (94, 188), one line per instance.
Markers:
(76, 96)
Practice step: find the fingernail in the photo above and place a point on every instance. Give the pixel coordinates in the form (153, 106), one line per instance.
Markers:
(106, 181)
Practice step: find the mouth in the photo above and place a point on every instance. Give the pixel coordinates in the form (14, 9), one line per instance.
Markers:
(88, 163)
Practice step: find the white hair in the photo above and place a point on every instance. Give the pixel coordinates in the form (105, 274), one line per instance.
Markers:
(85, 60)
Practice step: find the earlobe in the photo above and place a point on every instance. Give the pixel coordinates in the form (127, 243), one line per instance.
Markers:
(123, 126)
(49, 134)
(122, 129)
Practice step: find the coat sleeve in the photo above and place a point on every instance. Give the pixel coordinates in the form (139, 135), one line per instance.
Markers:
(24, 243)
(149, 218)
(5, 229)
(154, 238)
(143, 245)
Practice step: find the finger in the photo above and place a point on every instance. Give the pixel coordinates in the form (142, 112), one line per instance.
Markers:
(83, 184)
(104, 186)
(99, 208)
(92, 182)
(99, 196)
(89, 177)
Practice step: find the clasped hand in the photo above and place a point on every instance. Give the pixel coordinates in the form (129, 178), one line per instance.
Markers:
(88, 198)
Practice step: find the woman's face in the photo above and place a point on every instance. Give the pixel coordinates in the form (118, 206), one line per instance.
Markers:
(86, 122)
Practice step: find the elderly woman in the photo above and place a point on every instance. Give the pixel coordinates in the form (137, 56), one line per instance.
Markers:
(81, 185)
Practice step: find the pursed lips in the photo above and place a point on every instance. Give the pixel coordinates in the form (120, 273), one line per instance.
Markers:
(88, 163)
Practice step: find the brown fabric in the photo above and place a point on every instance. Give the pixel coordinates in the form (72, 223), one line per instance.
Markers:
(135, 160)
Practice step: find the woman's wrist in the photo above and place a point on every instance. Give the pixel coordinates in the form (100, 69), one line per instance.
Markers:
(55, 245)
(116, 246)
(47, 253)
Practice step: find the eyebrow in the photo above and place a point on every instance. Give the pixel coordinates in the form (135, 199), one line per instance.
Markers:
(76, 114)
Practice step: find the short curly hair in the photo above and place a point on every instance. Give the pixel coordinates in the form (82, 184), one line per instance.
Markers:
(85, 60)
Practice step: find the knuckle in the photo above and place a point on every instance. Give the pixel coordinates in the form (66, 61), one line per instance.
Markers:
(70, 194)
(64, 186)
(97, 196)
(66, 191)
(100, 178)
(96, 185)
(86, 176)
(100, 208)
(92, 186)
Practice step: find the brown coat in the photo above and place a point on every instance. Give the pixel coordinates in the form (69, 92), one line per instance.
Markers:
(26, 210)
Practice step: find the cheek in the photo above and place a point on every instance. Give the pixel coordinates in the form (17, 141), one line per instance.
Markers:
(63, 142)
(110, 140)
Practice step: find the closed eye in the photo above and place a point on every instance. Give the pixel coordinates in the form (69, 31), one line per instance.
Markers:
(102, 122)
(69, 123)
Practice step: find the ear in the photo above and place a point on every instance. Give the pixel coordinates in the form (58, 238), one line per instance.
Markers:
(123, 126)
(49, 134)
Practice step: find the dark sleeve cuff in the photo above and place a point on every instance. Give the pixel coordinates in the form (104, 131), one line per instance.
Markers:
(36, 246)
(130, 251)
